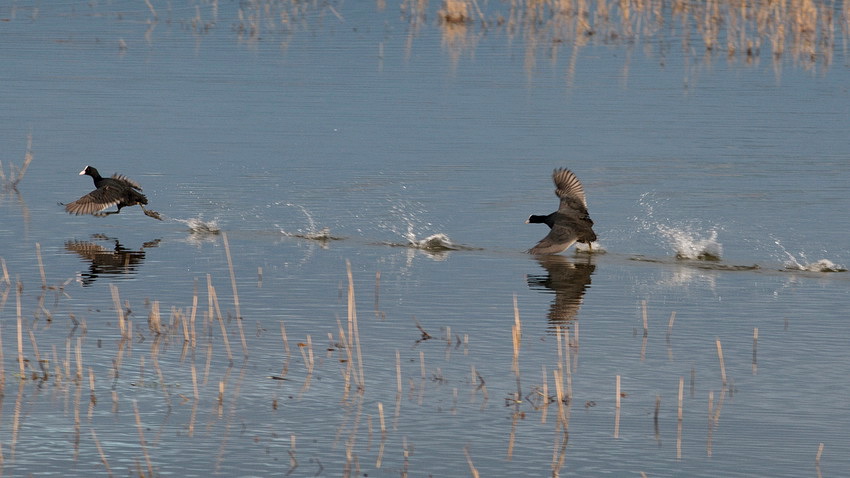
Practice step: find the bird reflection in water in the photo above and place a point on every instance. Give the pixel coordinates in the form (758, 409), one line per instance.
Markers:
(104, 260)
(567, 280)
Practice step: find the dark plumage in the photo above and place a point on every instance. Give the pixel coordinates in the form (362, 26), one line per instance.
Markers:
(570, 223)
(118, 191)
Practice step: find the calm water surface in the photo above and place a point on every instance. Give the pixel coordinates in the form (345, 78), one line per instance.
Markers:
(256, 127)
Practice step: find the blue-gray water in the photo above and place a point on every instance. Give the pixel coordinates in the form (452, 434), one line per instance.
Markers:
(269, 121)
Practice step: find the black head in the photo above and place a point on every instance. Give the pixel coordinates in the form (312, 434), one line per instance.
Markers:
(90, 171)
(534, 219)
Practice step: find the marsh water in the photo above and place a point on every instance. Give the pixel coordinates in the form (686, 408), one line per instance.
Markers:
(288, 144)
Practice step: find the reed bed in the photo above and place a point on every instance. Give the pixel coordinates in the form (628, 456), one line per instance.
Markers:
(746, 30)
(349, 385)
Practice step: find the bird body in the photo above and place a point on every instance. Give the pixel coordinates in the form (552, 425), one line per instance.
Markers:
(571, 223)
(117, 190)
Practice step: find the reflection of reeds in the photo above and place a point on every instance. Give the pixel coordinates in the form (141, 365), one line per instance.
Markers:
(805, 28)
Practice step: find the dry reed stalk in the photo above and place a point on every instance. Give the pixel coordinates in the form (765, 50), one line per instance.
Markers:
(559, 394)
(207, 365)
(516, 336)
(353, 329)
(617, 410)
(142, 438)
(293, 463)
(40, 266)
(184, 323)
(670, 324)
(5, 273)
(116, 300)
(755, 348)
(37, 355)
(285, 368)
(16, 418)
(379, 460)
(19, 291)
(194, 311)
(469, 462)
(259, 277)
(545, 393)
(397, 372)
(559, 452)
(78, 353)
(722, 363)
(645, 318)
(308, 354)
(214, 300)
(378, 294)
(512, 436)
(422, 364)
(153, 11)
(195, 381)
(235, 294)
(67, 361)
(679, 416)
(15, 177)
(92, 396)
(101, 453)
(381, 418)
(154, 320)
(819, 454)
(559, 349)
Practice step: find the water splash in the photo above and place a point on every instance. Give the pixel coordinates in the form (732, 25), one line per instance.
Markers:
(792, 263)
(687, 239)
(592, 248)
(435, 243)
(198, 225)
(691, 245)
(312, 231)
(405, 220)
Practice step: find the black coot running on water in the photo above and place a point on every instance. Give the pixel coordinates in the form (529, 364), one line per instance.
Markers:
(570, 223)
(118, 191)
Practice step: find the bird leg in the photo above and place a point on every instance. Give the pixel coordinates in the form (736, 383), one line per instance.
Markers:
(150, 213)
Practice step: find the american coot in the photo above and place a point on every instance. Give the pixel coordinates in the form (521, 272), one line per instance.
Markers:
(118, 191)
(570, 223)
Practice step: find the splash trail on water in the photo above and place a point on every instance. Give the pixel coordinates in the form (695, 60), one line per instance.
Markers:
(312, 232)
(688, 241)
(198, 225)
(792, 263)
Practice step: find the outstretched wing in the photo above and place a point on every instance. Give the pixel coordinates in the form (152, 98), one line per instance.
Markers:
(95, 201)
(569, 189)
(127, 181)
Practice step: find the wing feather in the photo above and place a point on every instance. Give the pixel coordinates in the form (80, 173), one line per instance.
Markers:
(95, 201)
